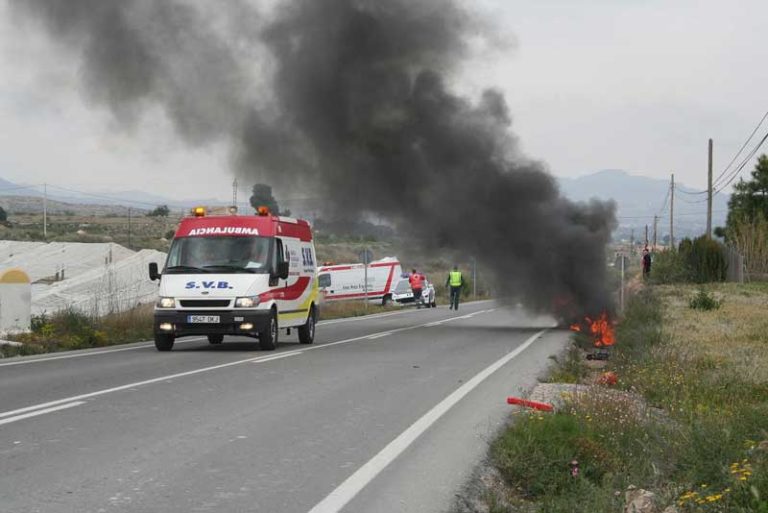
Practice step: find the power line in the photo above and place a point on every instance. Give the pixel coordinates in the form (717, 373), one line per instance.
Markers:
(743, 163)
(741, 149)
(735, 157)
(664, 204)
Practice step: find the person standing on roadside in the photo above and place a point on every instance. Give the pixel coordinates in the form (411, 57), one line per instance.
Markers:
(416, 281)
(455, 282)
(646, 263)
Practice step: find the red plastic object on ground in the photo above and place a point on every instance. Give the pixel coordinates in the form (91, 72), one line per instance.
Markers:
(608, 378)
(536, 405)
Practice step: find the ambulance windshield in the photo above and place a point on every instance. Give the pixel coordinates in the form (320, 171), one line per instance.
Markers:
(190, 255)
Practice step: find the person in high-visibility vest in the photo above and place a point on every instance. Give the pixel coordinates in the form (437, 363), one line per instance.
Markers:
(455, 281)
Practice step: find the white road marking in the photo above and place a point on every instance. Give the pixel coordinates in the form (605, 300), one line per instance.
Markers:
(379, 335)
(78, 354)
(347, 490)
(387, 314)
(280, 356)
(41, 412)
(170, 377)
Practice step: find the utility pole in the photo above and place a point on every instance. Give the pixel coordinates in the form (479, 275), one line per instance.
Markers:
(234, 193)
(646, 235)
(672, 213)
(709, 192)
(45, 211)
(129, 228)
(474, 277)
(655, 224)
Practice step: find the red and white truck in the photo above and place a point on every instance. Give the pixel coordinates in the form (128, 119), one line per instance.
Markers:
(244, 275)
(347, 281)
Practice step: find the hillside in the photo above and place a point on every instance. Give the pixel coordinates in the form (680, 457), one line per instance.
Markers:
(638, 198)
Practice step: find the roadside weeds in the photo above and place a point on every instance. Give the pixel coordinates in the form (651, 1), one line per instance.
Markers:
(687, 419)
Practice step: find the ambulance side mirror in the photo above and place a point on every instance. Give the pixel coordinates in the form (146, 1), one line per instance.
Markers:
(282, 270)
(154, 274)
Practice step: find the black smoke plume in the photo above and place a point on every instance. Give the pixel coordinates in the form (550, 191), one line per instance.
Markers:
(357, 105)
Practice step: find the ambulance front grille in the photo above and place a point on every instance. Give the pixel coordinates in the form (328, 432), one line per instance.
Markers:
(204, 303)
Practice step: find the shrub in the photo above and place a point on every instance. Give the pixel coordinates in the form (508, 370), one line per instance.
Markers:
(705, 259)
(669, 267)
(704, 301)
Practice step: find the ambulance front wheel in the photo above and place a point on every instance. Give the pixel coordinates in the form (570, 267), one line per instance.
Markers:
(163, 342)
(307, 332)
(268, 337)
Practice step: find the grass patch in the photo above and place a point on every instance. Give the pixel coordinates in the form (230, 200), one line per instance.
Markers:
(72, 329)
(701, 440)
(704, 301)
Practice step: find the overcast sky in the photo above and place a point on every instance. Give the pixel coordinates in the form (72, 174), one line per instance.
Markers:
(601, 84)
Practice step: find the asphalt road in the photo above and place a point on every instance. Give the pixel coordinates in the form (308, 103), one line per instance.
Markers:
(383, 414)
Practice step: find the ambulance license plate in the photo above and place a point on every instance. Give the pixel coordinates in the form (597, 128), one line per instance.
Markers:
(203, 319)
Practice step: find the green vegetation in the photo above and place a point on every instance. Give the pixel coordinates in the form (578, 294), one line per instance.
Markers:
(747, 224)
(136, 232)
(704, 301)
(71, 329)
(749, 200)
(160, 211)
(704, 259)
(700, 260)
(688, 422)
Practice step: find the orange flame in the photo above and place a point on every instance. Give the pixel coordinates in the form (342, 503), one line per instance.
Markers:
(601, 330)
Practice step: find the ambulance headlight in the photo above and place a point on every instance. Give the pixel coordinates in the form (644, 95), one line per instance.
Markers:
(247, 302)
(166, 302)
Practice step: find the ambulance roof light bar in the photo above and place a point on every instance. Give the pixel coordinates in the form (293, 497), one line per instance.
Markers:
(262, 211)
(198, 211)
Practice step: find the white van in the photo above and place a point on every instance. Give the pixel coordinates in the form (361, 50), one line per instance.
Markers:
(248, 275)
(347, 281)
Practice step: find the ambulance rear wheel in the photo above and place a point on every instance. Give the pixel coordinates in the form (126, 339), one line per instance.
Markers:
(307, 332)
(268, 337)
(215, 339)
(163, 342)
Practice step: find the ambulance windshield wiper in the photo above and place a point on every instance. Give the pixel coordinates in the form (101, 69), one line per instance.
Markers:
(236, 268)
(185, 268)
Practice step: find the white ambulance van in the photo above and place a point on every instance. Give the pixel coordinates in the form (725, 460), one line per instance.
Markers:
(347, 281)
(243, 275)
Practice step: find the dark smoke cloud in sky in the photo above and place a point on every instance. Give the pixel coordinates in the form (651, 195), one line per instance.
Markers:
(357, 106)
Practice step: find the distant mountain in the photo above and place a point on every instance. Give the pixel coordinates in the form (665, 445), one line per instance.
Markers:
(638, 198)
(139, 200)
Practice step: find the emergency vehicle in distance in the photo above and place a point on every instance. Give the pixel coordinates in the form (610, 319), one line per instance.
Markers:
(245, 275)
(347, 281)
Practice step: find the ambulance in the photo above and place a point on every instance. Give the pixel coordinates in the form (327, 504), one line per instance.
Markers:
(347, 281)
(240, 275)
